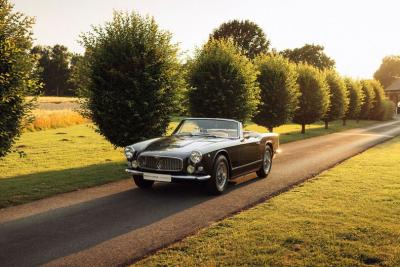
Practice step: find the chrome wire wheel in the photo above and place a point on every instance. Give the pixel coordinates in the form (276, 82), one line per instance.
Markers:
(221, 175)
(267, 162)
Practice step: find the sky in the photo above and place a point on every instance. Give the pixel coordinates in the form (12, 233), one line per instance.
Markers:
(356, 34)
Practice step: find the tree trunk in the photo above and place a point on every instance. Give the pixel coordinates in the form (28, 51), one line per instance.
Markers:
(326, 124)
(303, 128)
(270, 129)
(344, 122)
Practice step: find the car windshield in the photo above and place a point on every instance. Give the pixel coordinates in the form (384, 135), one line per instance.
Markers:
(208, 127)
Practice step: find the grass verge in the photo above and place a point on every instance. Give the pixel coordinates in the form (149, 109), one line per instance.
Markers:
(57, 161)
(347, 216)
(66, 159)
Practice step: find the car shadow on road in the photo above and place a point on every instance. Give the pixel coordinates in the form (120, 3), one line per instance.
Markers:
(60, 232)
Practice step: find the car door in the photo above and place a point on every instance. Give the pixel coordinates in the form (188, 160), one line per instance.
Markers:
(249, 153)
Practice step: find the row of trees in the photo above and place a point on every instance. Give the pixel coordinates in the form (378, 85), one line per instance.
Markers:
(136, 81)
(132, 79)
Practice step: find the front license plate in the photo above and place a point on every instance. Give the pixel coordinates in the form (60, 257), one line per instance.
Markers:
(157, 177)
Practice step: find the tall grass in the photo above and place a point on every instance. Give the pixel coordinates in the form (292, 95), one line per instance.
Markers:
(51, 119)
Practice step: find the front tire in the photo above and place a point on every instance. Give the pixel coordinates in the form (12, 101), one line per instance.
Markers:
(220, 176)
(142, 183)
(266, 163)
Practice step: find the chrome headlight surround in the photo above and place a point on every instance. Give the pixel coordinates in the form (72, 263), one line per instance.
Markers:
(195, 157)
(129, 152)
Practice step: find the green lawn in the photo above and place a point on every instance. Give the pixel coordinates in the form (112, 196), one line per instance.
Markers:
(66, 159)
(56, 161)
(347, 216)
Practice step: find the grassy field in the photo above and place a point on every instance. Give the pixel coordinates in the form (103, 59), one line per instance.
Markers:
(67, 159)
(57, 161)
(347, 216)
(53, 119)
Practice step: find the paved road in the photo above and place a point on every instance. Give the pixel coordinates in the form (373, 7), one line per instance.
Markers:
(117, 223)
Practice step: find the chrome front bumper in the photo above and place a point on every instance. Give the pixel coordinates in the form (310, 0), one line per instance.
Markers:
(173, 176)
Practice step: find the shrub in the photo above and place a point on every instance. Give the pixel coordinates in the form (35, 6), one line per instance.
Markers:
(338, 101)
(356, 98)
(222, 82)
(368, 103)
(279, 91)
(134, 78)
(17, 78)
(314, 99)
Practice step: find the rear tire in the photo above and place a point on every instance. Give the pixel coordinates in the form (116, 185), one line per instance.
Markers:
(266, 163)
(220, 176)
(142, 183)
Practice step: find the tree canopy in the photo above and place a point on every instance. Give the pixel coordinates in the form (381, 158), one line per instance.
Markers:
(368, 102)
(279, 91)
(246, 35)
(388, 71)
(378, 110)
(356, 98)
(17, 73)
(134, 76)
(339, 101)
(222, 82)
(314, 99)
(311, 54)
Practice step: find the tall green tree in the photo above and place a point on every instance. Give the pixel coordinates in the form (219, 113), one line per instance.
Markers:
(17, 73)
(356, 98)
(222, 82)
(314, 99)
(134, 76)
(388, 71)
(55, 71)
(378, 110)
(369, 96)
(310, 54)
(279, 91)
(245, 34)
(338, 101)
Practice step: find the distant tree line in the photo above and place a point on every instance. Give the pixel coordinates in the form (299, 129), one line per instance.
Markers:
(131, 79)
(57, 68)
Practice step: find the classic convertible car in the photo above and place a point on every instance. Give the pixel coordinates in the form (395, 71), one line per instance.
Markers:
(210, 150)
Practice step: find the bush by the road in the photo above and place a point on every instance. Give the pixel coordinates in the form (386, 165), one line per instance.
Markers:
(356, 98)
(17, 79)
(222, 82)
(279, 91)
(339, 100)
(314, 99)
(134, 78)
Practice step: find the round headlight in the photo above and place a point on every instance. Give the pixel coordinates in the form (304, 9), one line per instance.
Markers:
(129, 155)
(195, 157)
(129, 152)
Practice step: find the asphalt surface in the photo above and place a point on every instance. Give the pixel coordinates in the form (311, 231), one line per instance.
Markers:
(118, 223)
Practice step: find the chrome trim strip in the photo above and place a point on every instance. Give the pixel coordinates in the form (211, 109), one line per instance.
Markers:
(248, 164)
(184, 177)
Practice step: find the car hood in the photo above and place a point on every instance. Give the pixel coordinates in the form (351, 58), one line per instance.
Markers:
(181, 144)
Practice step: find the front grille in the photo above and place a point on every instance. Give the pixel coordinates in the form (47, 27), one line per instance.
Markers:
(160, 163)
